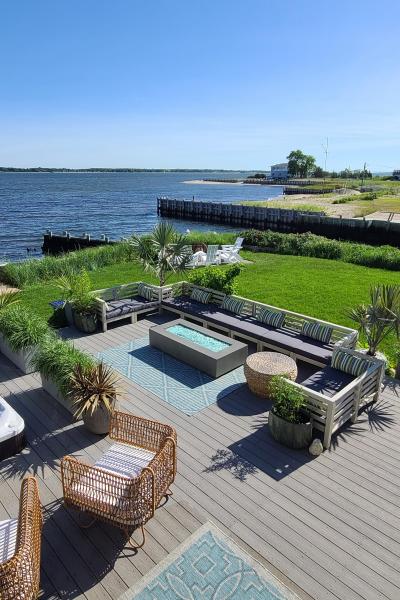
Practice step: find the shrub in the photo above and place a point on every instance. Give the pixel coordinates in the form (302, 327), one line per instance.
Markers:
(309, 244)
(34, 271)
(211, 237)
(289, 401)
(216, 278)
(22, 328)
(57, 359)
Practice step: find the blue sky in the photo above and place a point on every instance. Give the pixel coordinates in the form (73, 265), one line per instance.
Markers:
(178, 83)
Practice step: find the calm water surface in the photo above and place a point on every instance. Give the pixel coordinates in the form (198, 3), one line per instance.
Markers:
(116, 204)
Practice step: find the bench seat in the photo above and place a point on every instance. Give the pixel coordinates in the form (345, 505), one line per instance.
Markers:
(286, 339)
(127, 306)
(328, 381)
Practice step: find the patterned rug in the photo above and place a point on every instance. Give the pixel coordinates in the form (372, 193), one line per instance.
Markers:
(179, 384)
(209, 566)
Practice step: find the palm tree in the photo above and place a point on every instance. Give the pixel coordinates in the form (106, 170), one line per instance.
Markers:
(163, 252)
(380, 317)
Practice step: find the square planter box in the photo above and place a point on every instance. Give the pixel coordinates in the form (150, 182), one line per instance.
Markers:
(52, 389)
(22, 359)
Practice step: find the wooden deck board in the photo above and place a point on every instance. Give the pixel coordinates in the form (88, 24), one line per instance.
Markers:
(329, 527)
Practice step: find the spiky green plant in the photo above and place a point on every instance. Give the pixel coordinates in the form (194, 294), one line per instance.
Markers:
(92, 388)
(380, 317)
(22, 328)
(56, 359)
(9, 298)
(163, 252)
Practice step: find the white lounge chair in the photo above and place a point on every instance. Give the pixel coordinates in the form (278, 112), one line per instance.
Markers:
(211, 258)
(230, 252)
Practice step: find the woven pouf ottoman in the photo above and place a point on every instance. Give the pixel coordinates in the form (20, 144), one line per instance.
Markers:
(260, 367)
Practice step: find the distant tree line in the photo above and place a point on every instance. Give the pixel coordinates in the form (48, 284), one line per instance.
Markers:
(107, 170)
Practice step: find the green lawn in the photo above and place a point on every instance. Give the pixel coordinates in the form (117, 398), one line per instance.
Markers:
(325, 289)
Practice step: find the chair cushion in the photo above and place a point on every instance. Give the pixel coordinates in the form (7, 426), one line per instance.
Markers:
(145, 291)
(125, 307)
(328, 381)
(8, 539)
(271, 317)
(233, 305)
(200, 296)
(317, 331)
(284, 339)
(125, 460)
(348, 363)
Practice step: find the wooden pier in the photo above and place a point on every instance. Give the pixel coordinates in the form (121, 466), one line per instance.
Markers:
(259, 217)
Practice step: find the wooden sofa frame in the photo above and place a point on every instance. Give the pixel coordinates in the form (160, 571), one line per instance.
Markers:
(328, 414)
(121, 292)
(341, 336)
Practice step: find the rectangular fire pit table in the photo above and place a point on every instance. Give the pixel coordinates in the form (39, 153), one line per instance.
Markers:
(211, 352)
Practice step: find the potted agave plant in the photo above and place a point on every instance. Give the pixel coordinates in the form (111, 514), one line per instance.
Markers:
(79, 302)
(93, 392)
(288, 421)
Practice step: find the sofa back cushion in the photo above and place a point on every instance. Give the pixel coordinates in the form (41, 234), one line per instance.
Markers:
(348, 363)
(200, 296)
(145, 291)
(274, 318)
(317, 331)
(234, 305)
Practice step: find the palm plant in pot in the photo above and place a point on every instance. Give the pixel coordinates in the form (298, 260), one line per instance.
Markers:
(80, 304)
(93, 392)
(288, 421)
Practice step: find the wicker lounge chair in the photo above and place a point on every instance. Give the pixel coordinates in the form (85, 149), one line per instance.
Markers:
(20, 542)
(125, 486)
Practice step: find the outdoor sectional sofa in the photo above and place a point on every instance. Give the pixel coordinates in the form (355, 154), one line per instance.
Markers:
(333, 396)
(123, 301)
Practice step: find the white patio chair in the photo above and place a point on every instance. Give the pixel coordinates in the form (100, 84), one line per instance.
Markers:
(211, 258)
(230, 257)
(225, 248)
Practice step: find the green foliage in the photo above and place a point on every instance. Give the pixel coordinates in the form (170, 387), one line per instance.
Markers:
(92, 388)
(163, 252)
(380, 317)
(211, 237)
(300, 164)
(34, 271)
(217, 278)
(22, 328)
(289, 401)
(57, 359)
(368, 196)
(309, 244)
(8, 299)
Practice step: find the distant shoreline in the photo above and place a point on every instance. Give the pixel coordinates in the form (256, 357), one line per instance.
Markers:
(203, 182)
(110, 170)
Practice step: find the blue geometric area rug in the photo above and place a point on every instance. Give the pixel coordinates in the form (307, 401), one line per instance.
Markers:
(209, 566)
(179, 384)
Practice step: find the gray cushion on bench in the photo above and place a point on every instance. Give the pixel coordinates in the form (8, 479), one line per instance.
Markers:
(128, 305)
(328, 381)
(284, 339)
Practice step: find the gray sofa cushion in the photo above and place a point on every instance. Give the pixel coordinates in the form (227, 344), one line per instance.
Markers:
(117, 308)
(284, 339)
(328, 381)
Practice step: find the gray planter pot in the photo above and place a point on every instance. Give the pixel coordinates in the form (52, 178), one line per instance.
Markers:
(69, 313)
(99, 421)
(52, 389)
(22, 358)
(86, 322)
(292, 435)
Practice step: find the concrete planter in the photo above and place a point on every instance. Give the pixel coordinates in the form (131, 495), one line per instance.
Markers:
(85, 322)
(52, 389)
(292, 435)
(22, 358)
(99, 421)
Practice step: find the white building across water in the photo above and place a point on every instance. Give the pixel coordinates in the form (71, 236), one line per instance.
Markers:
(279, 171)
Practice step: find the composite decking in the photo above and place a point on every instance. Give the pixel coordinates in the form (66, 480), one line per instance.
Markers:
(329, 526)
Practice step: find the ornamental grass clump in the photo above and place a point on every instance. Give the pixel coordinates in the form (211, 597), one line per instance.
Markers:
(289, 402)
(22, 328)
(57, 359)
(92, 388)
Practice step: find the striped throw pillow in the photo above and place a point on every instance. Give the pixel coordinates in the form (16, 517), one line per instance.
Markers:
(145, 291)
(200, 296)
(271, 317)
(346, 362)
(234, 305)
(316, 331)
